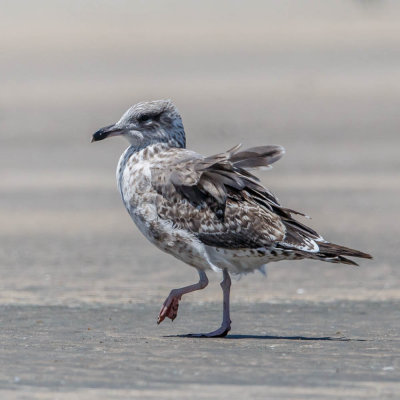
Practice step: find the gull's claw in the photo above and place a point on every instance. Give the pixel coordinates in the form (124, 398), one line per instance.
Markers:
(169, 308)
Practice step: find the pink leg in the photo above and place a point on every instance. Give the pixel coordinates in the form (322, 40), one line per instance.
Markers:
(225, 327)
(171, 304)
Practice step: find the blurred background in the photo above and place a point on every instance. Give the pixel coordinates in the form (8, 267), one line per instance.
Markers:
(320, 78)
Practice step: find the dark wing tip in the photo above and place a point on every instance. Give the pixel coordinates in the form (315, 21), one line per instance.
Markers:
(331, 249)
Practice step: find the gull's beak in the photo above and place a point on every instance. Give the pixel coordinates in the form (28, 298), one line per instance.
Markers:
(105, 132)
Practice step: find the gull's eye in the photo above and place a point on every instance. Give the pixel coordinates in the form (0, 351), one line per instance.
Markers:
(144, 118)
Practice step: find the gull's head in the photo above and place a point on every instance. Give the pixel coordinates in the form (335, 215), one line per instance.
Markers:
(148, 123)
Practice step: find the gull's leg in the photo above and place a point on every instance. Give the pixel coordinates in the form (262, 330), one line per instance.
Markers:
(171, 304)
(226, 320)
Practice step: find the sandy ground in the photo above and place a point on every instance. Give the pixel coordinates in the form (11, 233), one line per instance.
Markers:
(300, 349)
(80, 288)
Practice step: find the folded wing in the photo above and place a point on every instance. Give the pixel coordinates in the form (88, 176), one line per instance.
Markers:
(224, 205)
(219, 200)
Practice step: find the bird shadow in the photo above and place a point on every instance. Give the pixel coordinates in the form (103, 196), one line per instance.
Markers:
(271, 337)
(299, 338)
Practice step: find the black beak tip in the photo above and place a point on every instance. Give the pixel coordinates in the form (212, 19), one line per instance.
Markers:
(100, 135)
(97, 136)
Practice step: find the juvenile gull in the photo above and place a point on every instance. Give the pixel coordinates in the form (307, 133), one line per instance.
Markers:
(209, 212)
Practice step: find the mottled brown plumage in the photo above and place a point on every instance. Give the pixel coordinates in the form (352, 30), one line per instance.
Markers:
(227, 207)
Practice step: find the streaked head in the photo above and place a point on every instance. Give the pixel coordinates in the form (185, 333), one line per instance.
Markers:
(147, 123)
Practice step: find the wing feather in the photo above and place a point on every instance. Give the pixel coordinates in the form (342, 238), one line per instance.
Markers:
(218, 201)
(256, 157)
(224, 205)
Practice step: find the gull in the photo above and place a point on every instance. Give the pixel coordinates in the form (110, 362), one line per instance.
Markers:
(211, 213)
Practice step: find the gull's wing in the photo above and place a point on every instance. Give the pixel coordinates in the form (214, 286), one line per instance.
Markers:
(224, 205)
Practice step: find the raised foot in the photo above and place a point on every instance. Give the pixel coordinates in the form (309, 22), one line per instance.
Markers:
(220, 332)
(170, 308)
